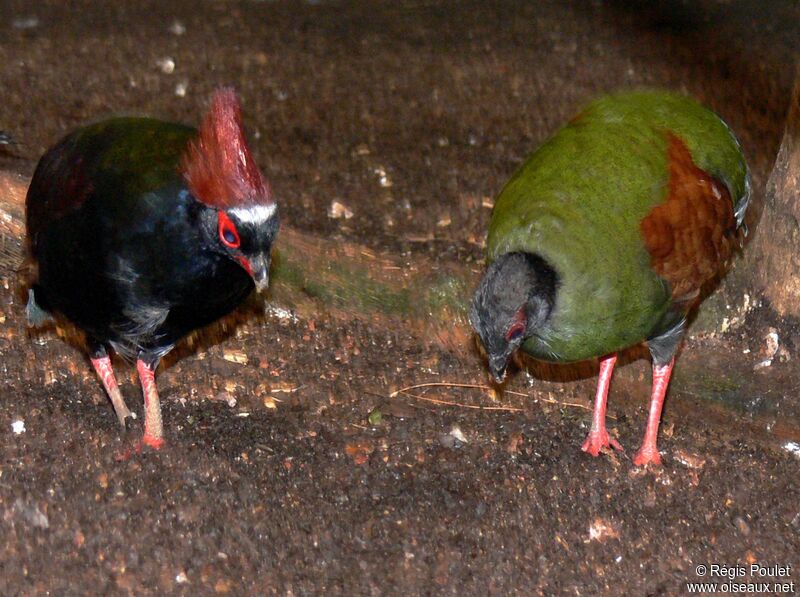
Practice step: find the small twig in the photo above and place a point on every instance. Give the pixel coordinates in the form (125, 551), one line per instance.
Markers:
(575, 404)
(449, 403)
(439, 384)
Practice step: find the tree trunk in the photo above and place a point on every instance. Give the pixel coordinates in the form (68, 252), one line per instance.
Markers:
(775, 252)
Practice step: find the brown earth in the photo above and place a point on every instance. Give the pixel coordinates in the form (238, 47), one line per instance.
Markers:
(289, 469)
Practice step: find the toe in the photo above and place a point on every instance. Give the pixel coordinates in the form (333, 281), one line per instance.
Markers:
(647, 457)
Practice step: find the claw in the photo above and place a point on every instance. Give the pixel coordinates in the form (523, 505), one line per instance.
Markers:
(597, 442)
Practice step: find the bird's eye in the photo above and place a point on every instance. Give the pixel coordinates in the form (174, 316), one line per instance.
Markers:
(514, 332)
(227, 231)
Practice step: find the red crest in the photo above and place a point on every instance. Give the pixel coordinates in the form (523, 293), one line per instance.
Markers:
(218, 165)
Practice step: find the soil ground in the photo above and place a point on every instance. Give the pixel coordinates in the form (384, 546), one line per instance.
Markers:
(290, 470)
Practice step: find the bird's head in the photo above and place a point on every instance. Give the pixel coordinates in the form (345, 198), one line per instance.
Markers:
(242, 216)
(246, 234)
(514, 300)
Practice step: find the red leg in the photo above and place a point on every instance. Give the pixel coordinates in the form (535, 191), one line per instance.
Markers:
(104, 370)
(598, 437)
(153, 431)
(648, 453)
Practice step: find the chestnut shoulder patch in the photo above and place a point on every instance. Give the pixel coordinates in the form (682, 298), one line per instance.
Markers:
(692, 234)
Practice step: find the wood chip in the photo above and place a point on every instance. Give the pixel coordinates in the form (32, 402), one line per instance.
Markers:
(235, 356)
(688, 459)
(601, 529)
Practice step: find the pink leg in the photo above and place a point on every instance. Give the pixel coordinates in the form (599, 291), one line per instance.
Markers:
(153, 431)
(104, 370)
(598, 437)
(648, 453)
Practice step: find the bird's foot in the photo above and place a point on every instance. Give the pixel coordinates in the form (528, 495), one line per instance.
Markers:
(599, 441)
(153, 442)
(647, 456)
(147, 443)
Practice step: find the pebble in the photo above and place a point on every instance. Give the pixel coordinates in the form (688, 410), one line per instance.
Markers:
(772, 343)
(167, 65)
(454, 439)
(280, 313)
(338, 210)
(601, 529)
(792, 448)
(688, 459)
(742, 525)
(31, 513)
(18, 427)
(31, 22)
(227, 397)
(383, 177)
(177, 28)
(456, 432)
(181, 87)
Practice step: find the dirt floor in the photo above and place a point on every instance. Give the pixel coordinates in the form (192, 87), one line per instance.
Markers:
(290, 468)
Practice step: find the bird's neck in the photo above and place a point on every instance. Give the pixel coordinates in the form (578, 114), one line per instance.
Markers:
(544, 285)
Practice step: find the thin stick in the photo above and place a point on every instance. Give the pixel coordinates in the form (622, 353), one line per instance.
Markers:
(440, 384)
(574, 404)
(449, 403)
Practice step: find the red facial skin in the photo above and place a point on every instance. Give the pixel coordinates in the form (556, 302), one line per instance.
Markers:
(229, 236)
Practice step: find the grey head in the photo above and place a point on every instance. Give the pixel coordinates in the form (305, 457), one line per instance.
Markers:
(514, 299)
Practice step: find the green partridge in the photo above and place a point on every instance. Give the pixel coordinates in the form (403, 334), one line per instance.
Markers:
(605, 237)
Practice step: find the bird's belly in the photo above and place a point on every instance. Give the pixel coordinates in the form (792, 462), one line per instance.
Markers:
(595, 317)
(133, 304)
(189, 315)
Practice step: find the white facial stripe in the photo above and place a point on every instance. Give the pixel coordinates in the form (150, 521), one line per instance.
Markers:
(256, 214)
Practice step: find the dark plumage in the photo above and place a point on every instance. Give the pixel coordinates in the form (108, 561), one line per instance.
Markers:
(143, 231)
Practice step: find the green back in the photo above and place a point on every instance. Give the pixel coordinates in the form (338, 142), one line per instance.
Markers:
(578, 202)
(132, 156)
(116, 165)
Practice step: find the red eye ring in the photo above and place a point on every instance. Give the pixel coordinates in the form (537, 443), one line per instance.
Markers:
(228, 234)
(515, 331)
